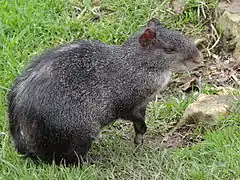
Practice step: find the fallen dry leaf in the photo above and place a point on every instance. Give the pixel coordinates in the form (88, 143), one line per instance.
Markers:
(190, 84)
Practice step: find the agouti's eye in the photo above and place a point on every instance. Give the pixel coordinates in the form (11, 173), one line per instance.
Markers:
(169, 50)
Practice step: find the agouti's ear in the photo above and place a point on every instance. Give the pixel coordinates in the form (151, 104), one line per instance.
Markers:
(146, 38)
(153, 22)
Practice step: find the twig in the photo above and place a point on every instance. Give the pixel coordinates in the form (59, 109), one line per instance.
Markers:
(235, 79)
(218, 38)
(203, 12)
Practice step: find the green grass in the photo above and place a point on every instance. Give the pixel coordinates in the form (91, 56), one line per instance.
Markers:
(29, 27)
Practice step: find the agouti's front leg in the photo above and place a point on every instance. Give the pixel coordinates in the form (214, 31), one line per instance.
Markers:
(140, 130)
(140, 127)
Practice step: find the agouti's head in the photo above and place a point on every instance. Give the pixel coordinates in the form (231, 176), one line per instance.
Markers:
(172, 46)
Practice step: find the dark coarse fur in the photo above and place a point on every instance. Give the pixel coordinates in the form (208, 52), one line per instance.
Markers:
(62, 100)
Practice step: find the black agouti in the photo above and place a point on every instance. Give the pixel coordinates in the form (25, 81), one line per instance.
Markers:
(58, 105)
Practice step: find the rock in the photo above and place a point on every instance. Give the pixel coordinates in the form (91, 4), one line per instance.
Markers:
(203, 112)
(233, 7)
(236, 53)
(207, 109)
(229, 23)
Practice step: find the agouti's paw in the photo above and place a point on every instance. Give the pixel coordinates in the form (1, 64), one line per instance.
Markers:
(138, 139)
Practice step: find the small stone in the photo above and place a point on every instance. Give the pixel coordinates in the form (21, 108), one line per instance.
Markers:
(207, 109)
(178, 5)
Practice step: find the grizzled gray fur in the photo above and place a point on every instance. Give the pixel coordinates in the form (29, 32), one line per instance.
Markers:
(58, 105)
